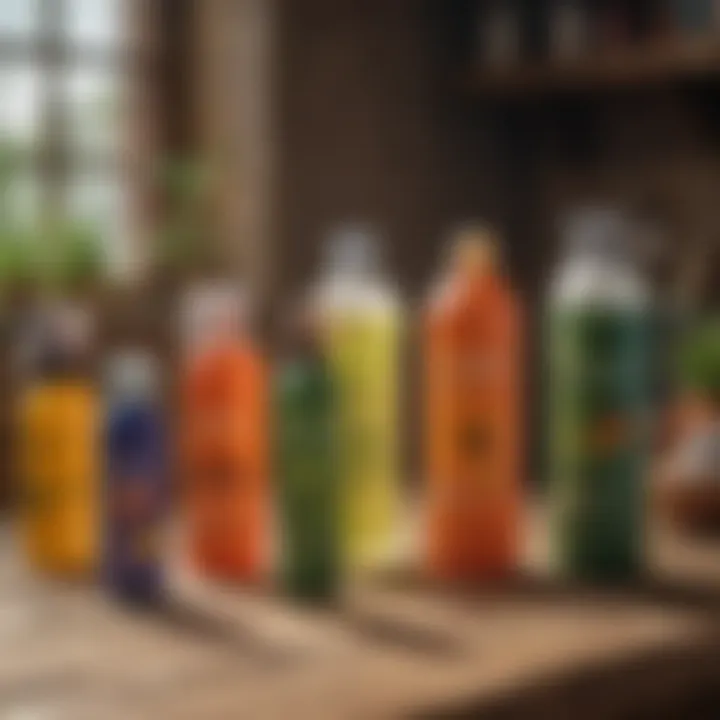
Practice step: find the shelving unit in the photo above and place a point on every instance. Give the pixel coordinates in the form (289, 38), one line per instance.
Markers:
(643, 65)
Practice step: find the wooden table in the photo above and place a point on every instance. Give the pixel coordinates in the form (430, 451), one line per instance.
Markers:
(397, 648)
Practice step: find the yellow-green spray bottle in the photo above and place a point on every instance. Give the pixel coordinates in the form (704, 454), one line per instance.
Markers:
(361, 313)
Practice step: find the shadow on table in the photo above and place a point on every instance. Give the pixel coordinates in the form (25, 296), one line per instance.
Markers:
(383, 625)
(652, 589)
(368, 627)
(232, 634)
(412, 637)
(682, 683)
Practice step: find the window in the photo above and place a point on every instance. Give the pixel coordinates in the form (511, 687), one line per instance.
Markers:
(61, 84)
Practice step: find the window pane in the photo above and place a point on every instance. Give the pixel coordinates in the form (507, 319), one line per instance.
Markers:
(24, 197)
(100, 201)
(18, 18)
(19, 106)
(94, 22)
(93, 106)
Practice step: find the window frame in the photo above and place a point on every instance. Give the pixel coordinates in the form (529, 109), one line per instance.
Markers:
(49, 50)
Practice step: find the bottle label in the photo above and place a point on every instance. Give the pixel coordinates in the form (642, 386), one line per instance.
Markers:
(478, 381)
(364, 362)
(598, 435)
(54, 479)
(309, 485)
(134, 511)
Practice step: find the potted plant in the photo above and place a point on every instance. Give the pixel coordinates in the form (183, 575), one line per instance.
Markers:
(690, 476)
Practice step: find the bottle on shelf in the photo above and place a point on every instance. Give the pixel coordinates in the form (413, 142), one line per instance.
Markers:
(135, 493)
(613, 20)
(695, 17)
(499, 33)
(569, 29)
(224, 442)
(599, 400)
(473, 420)
(361, 314)
(535, 29)
(306, 465)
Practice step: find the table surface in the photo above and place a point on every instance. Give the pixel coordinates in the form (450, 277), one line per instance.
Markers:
(396, 648)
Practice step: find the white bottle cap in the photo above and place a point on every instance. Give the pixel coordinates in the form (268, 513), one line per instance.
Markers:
(132, 374)
(212, 311)
(353, 250)
(599, 232)
(72, 326)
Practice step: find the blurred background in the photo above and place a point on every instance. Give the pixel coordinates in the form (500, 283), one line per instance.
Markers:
(175, 136)
(162, 140)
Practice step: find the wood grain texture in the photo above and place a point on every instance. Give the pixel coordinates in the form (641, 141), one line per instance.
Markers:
(396, 648)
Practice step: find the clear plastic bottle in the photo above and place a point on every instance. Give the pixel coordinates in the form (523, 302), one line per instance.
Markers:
(598, 396)
(361, 313)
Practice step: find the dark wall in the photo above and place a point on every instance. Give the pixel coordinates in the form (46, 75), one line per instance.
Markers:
(373, 128)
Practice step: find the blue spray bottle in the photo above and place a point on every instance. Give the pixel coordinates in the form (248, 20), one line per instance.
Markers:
(135, 492)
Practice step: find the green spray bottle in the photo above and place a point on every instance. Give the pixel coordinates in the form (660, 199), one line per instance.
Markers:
(307, 469)
(598, 345)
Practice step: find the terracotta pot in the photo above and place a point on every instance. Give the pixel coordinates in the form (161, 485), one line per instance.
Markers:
(692, 508)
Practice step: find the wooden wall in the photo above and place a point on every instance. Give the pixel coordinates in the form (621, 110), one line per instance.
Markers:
(372, 129)
(357, 110)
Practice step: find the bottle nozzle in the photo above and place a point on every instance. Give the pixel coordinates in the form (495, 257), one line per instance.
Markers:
(354, 249)
(476, 249)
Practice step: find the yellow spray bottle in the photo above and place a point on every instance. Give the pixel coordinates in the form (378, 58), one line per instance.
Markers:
(361, 313)
(57, 430)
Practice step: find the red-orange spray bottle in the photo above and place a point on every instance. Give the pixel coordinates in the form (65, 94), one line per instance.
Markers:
(473, 416)
(224, 440)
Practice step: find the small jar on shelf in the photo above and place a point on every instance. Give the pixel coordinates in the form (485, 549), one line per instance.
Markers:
(498, 33)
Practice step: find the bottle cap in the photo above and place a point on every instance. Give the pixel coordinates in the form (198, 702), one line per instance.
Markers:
(59, 340)
(475, 249)
(354, 250)
(600, 232)
(213, 311)
(132, 373)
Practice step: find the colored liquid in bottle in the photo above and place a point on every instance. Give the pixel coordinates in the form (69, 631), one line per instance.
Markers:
(361, 313)
(308, 478)
(597, 453)
(599, 382)
(135, 489)
(363, 352)
(59, 467)
(225, 460)
(473, 421)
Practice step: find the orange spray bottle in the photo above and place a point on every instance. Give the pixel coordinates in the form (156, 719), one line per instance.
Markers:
(472, 419)
(224, 439)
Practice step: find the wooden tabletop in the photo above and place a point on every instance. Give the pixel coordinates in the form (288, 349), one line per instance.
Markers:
(396, 648)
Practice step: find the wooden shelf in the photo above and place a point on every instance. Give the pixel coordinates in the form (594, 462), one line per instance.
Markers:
(635, 67)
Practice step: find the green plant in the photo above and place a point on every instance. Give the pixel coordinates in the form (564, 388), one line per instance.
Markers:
(17, 259)
(17, 256)
(182, 242)
(8, 165)
(70, 255)
(82, 261)
(699, 362)
(62, 253)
